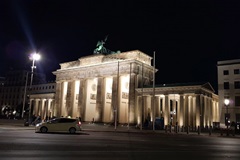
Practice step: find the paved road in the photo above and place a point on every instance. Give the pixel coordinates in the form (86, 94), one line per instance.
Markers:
(25, 144)
(96, 127)
(103, 142)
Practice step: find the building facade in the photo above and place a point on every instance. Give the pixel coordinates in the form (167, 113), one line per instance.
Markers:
(15, 89)
(189, 104)
(108, 88)
(229, 88)
(102, 87)
(42, 100)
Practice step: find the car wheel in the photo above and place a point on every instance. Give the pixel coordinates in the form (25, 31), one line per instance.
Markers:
(72, 130)
(44, 129)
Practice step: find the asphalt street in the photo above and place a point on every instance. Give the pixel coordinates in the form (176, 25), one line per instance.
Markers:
(103, 142)
(101, 127)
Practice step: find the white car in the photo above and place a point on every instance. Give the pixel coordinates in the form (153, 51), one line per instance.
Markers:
(59, 125)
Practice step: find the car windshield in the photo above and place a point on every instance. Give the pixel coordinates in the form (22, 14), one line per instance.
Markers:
(55, 120)
(62, 120)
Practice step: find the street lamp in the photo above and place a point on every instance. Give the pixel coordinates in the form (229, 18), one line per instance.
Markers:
(24, 97)
(34, 57)
(226, 102)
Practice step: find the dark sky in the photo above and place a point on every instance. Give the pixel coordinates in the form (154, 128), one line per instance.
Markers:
(189, 37)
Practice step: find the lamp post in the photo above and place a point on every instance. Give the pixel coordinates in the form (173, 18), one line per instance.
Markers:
(34, 57)
(226, 102)
(153, 105)
(24, 97)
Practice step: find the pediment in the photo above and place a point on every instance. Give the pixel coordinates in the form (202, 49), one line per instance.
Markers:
(208, 86)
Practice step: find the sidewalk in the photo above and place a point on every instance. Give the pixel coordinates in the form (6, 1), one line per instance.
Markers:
(101, 127)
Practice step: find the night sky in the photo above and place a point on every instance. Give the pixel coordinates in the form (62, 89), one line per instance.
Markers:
(188, 37)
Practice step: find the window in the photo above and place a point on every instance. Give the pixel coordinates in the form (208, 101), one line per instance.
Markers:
(226, 85)
(225, 72)
(237, 117)
(237, 100)
(66, 120)
(236, 71)
(237, 84)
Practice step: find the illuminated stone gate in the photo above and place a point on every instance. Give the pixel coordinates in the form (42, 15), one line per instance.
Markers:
(113, 87)
(99, 87)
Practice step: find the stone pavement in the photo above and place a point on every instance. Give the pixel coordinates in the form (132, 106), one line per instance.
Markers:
(101, 127)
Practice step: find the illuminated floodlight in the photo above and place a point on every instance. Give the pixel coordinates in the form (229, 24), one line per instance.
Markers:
(226, 102)
(35, 56)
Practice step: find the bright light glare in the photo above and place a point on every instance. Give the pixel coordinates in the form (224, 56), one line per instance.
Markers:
(35, 56)
(226, 101)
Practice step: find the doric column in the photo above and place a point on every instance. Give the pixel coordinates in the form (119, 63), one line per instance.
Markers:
(174, 111)
(139, 111)
(82, 98)
(69, 98)
(166, 110)
(186, 111)
(217, 112)
(210, 111)
(202, 111)
(181, 110)
(58, 99)
(131, 99)
(214, 111)
(114, 99)
(63, 98)
(197, 104)
(49, 101)
(54, 109)
(43, 113)
(36, 107)
(74, 100)
(157, 106)
(193, 103)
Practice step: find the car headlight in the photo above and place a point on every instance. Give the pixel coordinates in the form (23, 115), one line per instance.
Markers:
(37, 125)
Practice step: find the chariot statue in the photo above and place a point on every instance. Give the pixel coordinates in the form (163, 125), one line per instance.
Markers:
(100, 49)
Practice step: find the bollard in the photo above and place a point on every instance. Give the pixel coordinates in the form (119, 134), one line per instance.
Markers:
(187, 129)
(170, 128)
(198, 130)
(221, 131)
(166, 128)
(233, 132)
(210, 131)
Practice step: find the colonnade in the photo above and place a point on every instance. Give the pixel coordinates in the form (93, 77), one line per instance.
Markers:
(180, 109)
(43, 107)
(99, 99)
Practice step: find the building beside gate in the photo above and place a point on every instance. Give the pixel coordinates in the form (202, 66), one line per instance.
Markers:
(185, 104)
(42, 100)
(108, 87)
(229, 88)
